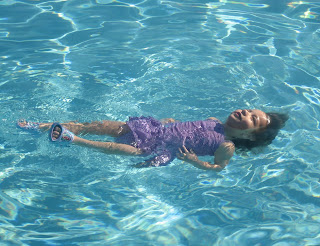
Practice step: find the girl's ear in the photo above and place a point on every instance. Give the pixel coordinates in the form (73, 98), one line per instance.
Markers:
(248, 135)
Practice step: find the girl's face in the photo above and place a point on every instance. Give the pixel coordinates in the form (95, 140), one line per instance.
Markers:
(243, 122)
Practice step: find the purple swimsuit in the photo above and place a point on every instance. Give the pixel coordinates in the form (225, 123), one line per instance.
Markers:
(164, 141)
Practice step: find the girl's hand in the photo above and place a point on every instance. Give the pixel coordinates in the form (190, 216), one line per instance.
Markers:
(186, 155)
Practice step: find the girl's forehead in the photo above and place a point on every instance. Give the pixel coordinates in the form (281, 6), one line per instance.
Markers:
(259, 112)
(263, 117)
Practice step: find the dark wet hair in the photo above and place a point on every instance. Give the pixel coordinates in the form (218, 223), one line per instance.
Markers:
(263, 136)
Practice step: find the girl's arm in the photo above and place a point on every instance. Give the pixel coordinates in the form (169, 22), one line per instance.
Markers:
(167, 121)
(214, 118)
(171, 120)
(222, 157)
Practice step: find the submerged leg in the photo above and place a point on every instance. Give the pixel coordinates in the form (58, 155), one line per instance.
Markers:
(105, 147)
(108, 147)
(106, 127)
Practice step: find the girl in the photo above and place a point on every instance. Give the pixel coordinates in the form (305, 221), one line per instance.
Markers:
(167, 139)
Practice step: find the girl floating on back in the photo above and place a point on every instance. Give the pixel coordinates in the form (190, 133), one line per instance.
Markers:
(166, 139)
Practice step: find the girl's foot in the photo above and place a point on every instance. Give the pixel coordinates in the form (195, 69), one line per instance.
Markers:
(33, 126)
(60, 134)
(56, 133)
(42, 127)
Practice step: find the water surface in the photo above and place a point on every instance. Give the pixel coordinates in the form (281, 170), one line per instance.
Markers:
(189, 60)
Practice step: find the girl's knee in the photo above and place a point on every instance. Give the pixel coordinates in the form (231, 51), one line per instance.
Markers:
(138, 151)
(123, 129)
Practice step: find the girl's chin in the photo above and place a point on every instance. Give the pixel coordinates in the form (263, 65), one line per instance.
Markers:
(232, 122)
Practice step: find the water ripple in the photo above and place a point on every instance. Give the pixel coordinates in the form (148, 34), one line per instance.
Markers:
(92, 60)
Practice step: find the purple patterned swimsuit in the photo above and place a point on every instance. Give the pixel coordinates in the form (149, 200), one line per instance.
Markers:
(164, 141)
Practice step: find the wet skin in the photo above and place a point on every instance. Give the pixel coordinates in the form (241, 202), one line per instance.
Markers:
(241, 123)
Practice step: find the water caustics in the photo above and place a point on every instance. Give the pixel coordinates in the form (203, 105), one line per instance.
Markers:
(69, 60)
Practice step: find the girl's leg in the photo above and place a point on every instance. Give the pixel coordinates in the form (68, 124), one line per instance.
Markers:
(106, 147)
(106, 127)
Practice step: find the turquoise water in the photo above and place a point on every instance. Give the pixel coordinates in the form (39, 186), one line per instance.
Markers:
(94, 60)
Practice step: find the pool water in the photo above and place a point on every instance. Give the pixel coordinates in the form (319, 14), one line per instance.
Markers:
(69, 60)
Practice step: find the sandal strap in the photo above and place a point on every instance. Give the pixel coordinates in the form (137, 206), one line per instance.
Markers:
(66, 136)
